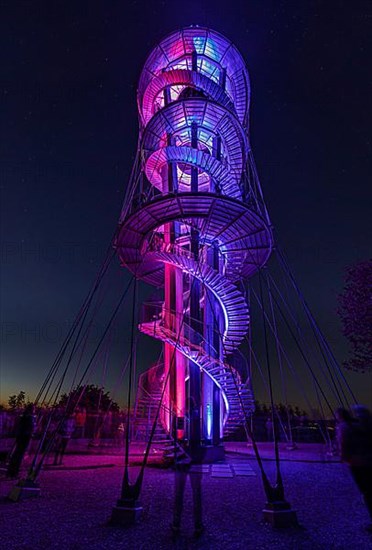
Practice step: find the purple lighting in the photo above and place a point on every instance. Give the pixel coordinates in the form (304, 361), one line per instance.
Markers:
(197, 225)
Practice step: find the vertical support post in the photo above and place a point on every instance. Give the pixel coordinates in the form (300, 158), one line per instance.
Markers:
(169, 289)
(211, 392)
(222, 79)
(195, 378)
(217, 346)
(194, 60)
(180, 366)
(216, 315)
(194, 170)
(216, 153)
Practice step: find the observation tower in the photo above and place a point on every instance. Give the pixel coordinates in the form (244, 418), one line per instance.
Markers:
(194, 224)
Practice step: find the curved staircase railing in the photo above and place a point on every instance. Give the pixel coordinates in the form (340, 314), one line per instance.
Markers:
(198, 190)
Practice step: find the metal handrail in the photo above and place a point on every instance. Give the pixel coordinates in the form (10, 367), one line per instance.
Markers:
(155, 311)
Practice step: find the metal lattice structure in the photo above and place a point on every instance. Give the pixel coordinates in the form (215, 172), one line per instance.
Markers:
(195, 224)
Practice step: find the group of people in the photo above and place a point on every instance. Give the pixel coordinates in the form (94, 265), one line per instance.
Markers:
(354, 434)
(57, 433)
(55, 428)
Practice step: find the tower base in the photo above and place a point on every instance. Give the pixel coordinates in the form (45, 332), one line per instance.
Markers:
(126, 513)
(24, 489)
(280, 514)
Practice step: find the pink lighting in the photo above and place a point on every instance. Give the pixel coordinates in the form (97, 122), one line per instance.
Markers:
(196, 235)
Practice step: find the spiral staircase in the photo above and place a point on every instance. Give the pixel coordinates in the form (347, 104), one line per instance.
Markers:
(193, 101)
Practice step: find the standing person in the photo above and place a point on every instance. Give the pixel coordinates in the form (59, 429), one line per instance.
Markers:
(354, 438)
(2, 422)
(81, 417)
(344, 432)
(24, 433)
(119, 434)
(63, 437)
(361, 464)
(183, 462)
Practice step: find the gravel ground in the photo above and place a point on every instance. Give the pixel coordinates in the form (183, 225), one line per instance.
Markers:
(74, 506)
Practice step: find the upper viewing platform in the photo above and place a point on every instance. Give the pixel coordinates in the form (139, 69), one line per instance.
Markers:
(199, 58)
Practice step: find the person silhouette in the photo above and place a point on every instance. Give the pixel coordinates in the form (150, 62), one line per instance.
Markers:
(184, 458)
(63, 437)
(185, 455)
(361, 464)
(344, 432)
(355, 443)
(23, 438)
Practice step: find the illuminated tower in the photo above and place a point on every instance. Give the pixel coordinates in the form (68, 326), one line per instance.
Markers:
(195, 224)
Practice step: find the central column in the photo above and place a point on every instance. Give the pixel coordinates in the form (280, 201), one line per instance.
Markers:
(174, 361)
(195, 378)
(213, 328)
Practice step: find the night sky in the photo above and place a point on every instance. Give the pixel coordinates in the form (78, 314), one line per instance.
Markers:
(70, 71)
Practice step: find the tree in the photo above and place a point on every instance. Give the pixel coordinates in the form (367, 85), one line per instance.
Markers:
(93, 398)
(17, 401)
(355, 311)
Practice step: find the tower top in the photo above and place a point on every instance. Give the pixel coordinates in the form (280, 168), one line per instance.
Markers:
(215, 56)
